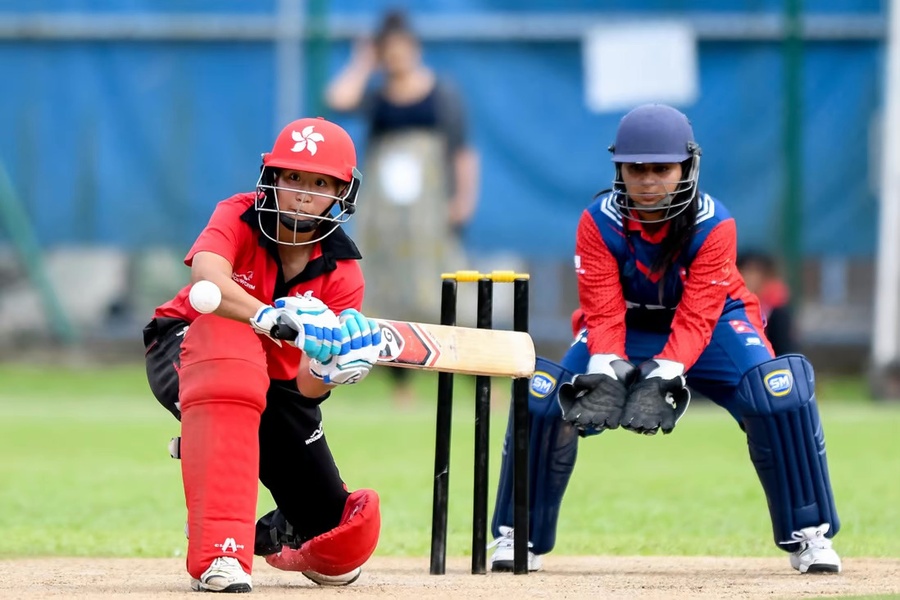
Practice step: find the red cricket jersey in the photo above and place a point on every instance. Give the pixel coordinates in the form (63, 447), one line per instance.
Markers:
(333, 274)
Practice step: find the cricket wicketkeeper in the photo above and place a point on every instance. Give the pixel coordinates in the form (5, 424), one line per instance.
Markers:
(663, 306)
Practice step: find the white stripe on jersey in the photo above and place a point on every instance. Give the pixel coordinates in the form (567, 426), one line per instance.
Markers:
(611, 209)
(707, 209)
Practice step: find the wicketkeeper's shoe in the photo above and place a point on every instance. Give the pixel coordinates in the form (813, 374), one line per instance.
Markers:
(815, 554)
(502, 558)
(225, 574)
(333, 580)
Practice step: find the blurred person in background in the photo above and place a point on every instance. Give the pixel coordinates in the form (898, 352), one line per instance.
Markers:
(422, 175)
(662, 305)
(249, 405)
(760, 273)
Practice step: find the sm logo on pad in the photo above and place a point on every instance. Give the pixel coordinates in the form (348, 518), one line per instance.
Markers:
(779, 383)
(542, 384)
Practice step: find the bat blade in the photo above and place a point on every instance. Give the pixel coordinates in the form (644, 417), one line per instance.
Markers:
(451, 349)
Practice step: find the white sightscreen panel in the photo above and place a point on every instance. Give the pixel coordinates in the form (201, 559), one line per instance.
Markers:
(886, 329)
(632, 63)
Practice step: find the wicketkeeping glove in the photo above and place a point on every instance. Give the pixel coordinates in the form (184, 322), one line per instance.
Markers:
(594, 401)
(318, 331)
(657, 399)
(358, 355)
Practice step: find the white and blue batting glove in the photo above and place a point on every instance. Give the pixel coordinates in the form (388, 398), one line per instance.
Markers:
(359, 355)
(320, 333)
(359, 331)
(264, 320)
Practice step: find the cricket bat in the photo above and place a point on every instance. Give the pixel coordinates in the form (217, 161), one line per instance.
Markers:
(464, 350)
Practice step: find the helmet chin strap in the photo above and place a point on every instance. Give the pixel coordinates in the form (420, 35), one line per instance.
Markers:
(304, 226)
(296, 225)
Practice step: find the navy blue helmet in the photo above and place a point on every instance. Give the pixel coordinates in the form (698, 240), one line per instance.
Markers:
(656, 133)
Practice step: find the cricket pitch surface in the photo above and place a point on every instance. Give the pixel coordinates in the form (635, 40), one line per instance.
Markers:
(646, 577)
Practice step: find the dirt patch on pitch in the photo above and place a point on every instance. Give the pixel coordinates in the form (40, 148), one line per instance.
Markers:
(563, 577)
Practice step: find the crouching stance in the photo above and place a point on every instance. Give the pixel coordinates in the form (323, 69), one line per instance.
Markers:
(662, 306)
(249, 405)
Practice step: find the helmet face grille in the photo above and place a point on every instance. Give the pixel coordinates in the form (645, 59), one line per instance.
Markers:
(297, 226)
(655, 134)
(312, 145)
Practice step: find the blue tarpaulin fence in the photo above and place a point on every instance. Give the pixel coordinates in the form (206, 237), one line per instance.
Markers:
(130, 139)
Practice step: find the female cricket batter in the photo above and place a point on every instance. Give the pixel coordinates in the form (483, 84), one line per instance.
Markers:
(249, 404)
(662, 305)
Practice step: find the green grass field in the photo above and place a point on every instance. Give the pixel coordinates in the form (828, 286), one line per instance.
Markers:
(84, 471)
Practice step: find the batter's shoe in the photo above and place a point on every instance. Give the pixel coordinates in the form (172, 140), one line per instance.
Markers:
(502, 558)
(225, 574)
(815, 554)
(333, 580)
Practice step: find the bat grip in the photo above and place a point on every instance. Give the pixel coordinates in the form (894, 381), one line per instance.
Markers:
(283, 331)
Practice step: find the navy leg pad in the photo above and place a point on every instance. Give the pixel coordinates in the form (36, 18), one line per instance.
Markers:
(551, 458)
(787, 445)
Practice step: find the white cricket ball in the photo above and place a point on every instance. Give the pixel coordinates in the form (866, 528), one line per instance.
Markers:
(205, 296)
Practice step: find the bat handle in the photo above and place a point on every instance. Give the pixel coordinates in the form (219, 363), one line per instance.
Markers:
(283, 331)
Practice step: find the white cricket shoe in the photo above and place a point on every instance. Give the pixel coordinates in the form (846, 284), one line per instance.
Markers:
(815, 554)
(333, 580)
(225, 574)
(503, 557)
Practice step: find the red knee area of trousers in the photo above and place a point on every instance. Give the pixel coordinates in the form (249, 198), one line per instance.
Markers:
(222, 361)
(344, 548)
(211, 336)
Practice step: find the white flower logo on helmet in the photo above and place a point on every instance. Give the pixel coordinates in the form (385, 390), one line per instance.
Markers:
(306, 140)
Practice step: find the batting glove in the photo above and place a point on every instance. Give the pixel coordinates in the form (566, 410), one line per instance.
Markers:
(264, 320)
(319, 333)
(359, 353)
(358, 331)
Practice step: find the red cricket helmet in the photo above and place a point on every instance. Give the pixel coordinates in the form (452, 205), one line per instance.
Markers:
(313, 145)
